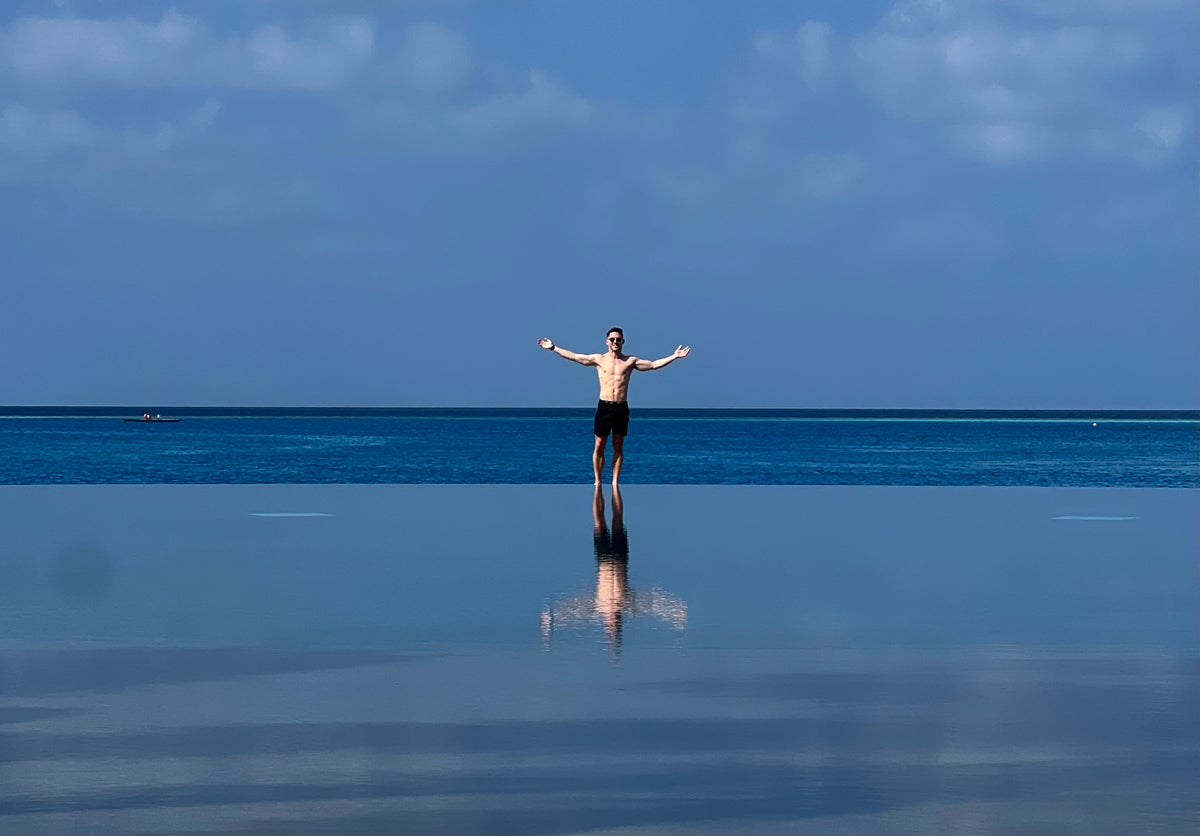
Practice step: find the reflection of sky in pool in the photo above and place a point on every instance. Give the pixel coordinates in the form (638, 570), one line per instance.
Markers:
(523, 658)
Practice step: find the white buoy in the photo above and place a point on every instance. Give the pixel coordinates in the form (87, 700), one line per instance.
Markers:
(1093, 423)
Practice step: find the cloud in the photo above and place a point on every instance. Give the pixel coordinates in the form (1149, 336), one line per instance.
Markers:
(1159, 133)
(205, 115)
(1003, 82)
(42, 133)
(542, 103)
(434, 59)
(806, 51)
(986, 71)
(179, 51)
(938, 232)
(827, 175)
(169, 135)
(125, 51)
(1005, 142)
(780, 100)
(31, 132)
(1095, 9)
(1151, 139)
(333, 54)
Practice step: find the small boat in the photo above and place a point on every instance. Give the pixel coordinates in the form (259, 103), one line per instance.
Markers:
(147, 418)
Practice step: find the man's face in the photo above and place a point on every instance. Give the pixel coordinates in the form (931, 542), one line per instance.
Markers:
(615, 341)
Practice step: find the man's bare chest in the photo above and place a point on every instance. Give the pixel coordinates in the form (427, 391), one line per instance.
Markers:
(615, 369)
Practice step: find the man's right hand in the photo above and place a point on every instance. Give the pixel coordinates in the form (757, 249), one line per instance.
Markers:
(546, 343)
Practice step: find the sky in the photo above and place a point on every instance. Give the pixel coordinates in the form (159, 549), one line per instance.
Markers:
(947, 204)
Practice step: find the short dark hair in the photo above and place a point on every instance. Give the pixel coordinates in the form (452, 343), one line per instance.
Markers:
(620, 333)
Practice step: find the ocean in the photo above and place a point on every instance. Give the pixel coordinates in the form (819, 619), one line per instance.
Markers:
(553, 446)
(429, 621)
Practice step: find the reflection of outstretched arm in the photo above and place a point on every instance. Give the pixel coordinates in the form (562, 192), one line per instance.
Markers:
(659, 604)
(581, 359)
(567, 612)
(651, 365)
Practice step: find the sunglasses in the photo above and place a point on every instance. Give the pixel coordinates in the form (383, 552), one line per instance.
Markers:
(616, 339)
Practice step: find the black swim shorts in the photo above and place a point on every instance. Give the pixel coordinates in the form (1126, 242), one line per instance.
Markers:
(611, 417)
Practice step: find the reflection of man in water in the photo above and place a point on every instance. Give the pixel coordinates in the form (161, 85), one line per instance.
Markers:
(613, 600)
(612, 564)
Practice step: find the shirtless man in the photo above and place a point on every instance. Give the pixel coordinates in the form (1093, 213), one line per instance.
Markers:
(612, 413)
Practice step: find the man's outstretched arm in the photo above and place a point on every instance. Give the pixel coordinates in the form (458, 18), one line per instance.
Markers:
(651, 365)
(582, 359)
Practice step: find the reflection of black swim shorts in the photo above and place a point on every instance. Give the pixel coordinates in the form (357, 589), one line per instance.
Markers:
(611, 417)
(611, 546)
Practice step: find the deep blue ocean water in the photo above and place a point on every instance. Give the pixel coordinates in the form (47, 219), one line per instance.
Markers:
(553, 446)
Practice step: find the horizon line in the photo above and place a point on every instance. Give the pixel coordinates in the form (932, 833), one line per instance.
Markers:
(139, 409)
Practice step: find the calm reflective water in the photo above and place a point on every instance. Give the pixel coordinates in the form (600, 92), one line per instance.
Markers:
(498, 659)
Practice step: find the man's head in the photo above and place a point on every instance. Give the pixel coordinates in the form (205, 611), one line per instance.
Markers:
(615, 338)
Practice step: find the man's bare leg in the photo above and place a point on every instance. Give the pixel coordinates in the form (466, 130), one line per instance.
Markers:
(598, 457)
(618, 457)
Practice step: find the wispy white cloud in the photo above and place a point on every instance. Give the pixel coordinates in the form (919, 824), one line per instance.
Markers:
(830, 174)
(98, 51)
(999, 87)
(178, 50)
(987, 71)
(433, 59)
(170, 134)
(1152, 138)
(430, 62)
(807, 51)
(30, 132)
(542, 103)
(330, 56)
(938, 232)
(783, 125)
(40, 133)
(1095, 9)
(435, 98)
(1159, 133)
(1005, 142)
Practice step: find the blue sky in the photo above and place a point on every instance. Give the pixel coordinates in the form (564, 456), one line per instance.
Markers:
(912, 204)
